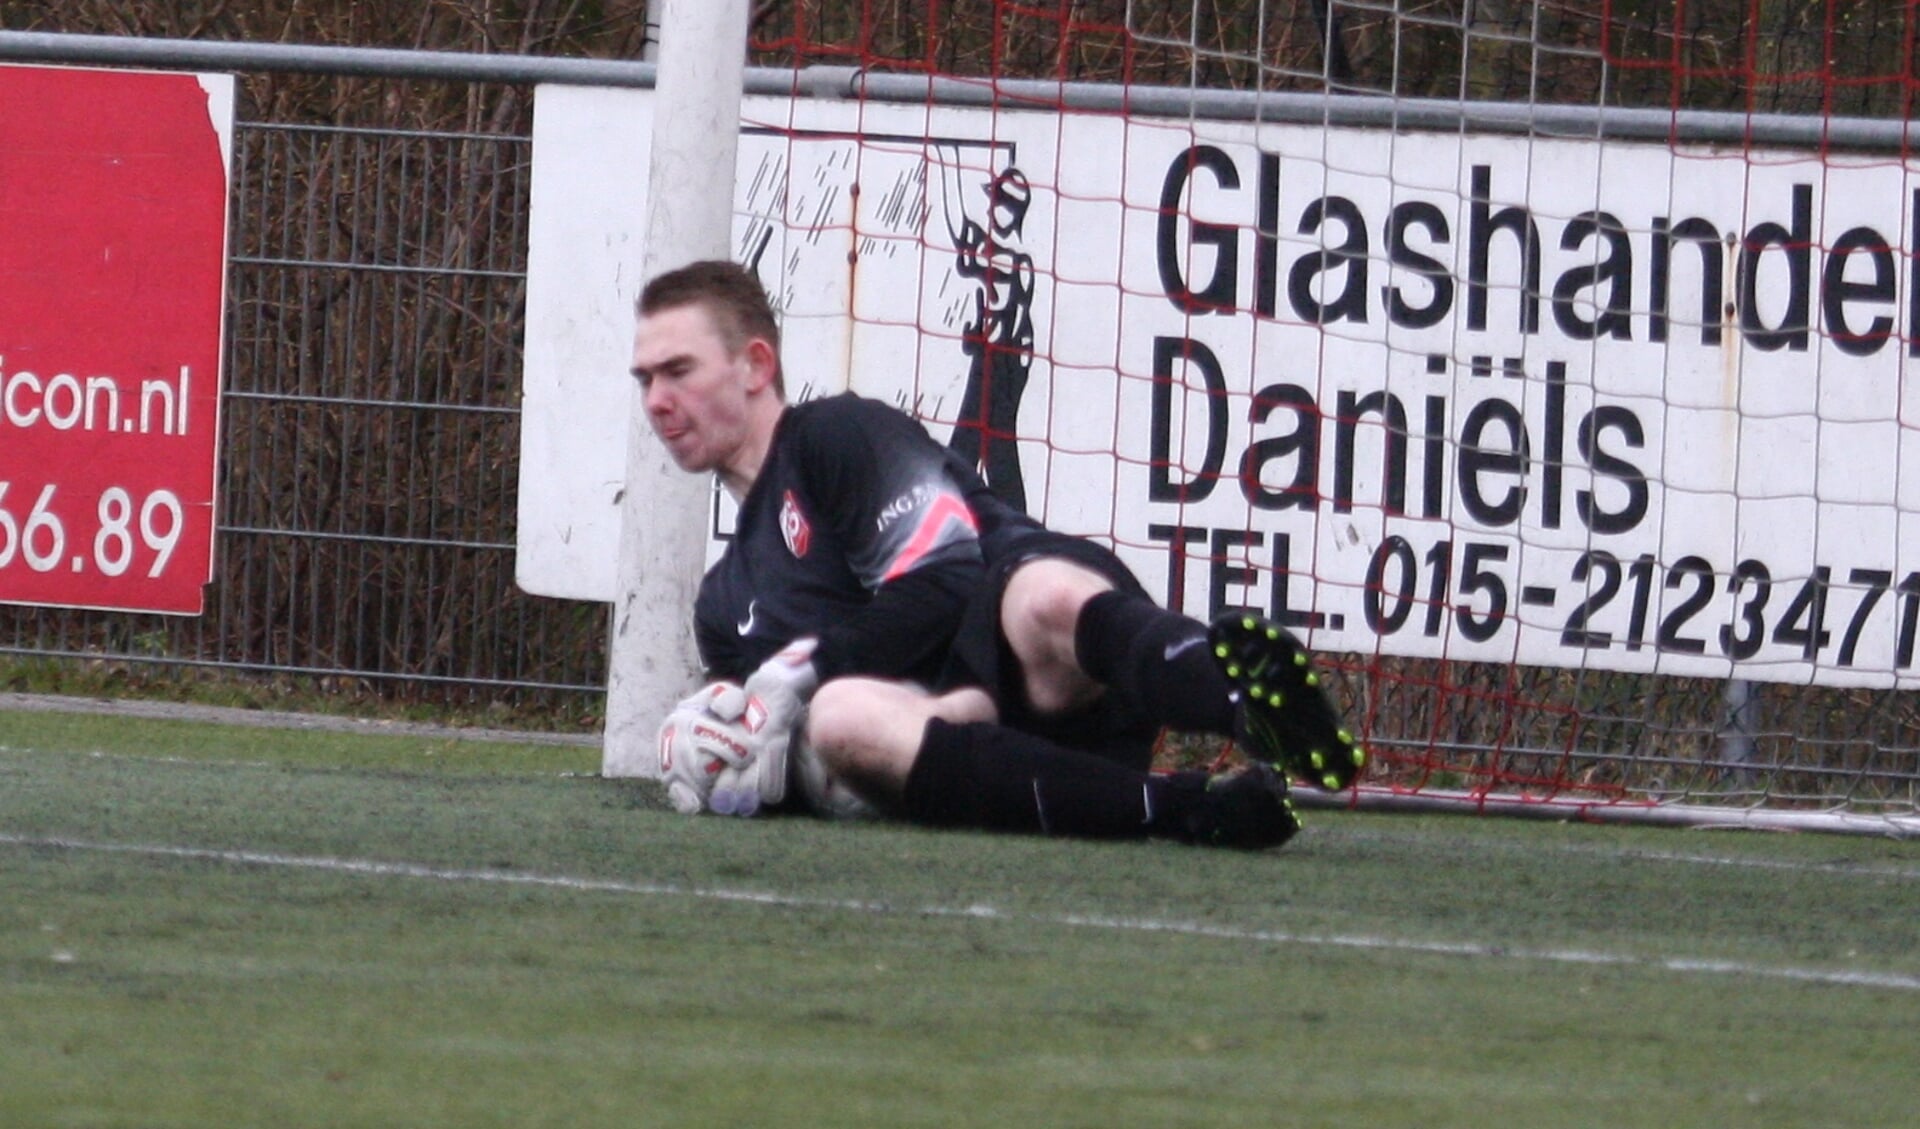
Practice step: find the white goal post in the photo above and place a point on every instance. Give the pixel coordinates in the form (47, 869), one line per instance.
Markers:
(688, 215)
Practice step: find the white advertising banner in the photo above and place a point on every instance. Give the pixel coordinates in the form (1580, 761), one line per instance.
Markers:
(1510, 399)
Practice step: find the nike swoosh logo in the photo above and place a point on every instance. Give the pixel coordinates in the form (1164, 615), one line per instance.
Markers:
(745, 626)
(1181, 646)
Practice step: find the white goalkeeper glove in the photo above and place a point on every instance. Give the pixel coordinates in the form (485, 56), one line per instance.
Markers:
(775, 712)
(700, 742)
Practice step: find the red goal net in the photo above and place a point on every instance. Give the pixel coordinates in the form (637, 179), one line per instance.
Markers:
(1543, 365)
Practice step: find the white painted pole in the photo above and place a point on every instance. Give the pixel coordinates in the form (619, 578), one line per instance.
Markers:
(663, 513)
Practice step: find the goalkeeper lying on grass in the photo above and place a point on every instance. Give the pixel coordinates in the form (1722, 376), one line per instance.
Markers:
(868, 564)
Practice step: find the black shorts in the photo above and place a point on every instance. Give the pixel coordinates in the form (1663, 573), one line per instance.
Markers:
(980, 655)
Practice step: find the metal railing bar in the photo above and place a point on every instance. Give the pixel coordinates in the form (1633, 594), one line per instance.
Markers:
(838, 82)
(292, 534)
(377, 268)
(351, 402)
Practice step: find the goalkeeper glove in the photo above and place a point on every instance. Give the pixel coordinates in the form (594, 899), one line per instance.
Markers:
(774, 714)
(698, 744)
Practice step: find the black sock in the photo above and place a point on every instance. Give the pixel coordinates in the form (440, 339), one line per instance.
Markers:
(988, 776)
(1155, 660)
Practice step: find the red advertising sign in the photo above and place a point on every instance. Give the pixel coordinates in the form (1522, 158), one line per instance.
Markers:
(113, 224)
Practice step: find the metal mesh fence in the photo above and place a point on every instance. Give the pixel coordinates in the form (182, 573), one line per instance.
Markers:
(371, 421)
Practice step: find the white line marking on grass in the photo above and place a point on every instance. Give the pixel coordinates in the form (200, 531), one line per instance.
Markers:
(375, 868)
(276, 719)
(1846, 867)
(1623, 854)
(142, 758)
(1552, 956)
(1853, 869)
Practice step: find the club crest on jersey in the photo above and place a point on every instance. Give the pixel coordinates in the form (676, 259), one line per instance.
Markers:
(793, 526)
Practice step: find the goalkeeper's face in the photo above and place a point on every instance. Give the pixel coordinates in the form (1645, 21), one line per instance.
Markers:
(708, 403)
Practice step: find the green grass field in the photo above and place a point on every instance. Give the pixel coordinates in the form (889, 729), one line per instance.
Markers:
(216, 926)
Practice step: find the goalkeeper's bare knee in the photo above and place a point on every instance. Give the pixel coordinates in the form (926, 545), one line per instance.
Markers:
(1039, 614)
(869, 730)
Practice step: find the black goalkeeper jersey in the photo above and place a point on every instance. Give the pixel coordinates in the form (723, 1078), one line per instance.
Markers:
(861, 531)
